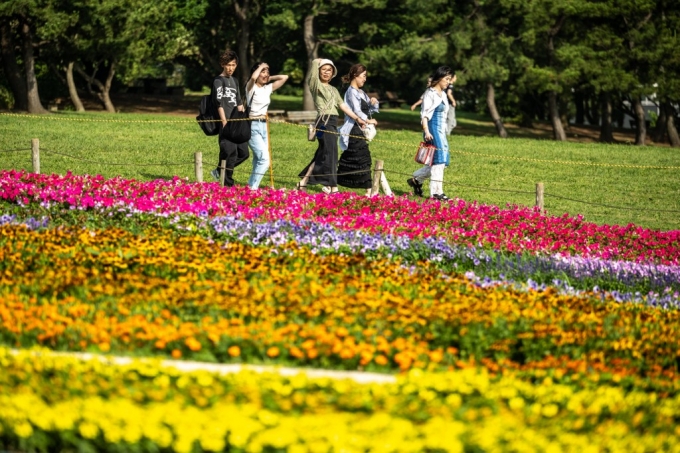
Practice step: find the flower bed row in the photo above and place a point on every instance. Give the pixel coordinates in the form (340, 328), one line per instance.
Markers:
(513, 229)
(654, 284)
(51, 402)
(186, 296)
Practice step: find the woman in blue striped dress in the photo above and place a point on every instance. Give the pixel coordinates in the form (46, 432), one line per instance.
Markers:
(433, 119)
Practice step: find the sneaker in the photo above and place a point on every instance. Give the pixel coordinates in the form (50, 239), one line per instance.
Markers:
(417, 187)
(215, 174)
(440, 197)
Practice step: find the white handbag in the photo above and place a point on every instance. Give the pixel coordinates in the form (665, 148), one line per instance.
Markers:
(369, 132)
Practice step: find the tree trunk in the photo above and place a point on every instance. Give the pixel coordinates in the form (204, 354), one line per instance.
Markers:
(312, 48)
(558, 129)
(580, 108)
(592, 112)
(34, 105)
(77, 103)
(491, 103)
(244, 10)
(606, 119)
(640, 125)
(104, 88)
(17, 82)
(670, 125)
(33, 96)
(659, 134)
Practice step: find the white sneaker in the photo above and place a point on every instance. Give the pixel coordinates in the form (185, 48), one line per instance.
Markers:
(215, 174)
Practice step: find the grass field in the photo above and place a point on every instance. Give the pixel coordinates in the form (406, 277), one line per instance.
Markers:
(605, 183)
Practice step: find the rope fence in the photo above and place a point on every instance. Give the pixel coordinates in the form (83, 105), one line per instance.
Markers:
(379, 173)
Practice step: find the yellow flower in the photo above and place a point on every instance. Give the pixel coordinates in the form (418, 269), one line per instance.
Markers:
(23, 430)
(550, 410)
(88, 430)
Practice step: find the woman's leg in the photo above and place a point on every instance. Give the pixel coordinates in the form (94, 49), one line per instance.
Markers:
(258, 144)
(437, 179)
(422, 173)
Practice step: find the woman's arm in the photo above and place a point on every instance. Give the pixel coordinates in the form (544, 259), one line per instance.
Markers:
(313, 76)
(350, 113)
(417, 103)
(253, 78)
(278, 81)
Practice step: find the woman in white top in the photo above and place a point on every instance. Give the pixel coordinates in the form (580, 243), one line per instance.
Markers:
(433, 119)
(259, 92)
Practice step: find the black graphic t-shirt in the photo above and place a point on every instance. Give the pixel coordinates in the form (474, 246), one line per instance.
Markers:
(225, 93)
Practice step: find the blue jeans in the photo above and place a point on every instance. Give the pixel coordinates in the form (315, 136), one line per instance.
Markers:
(260, 147)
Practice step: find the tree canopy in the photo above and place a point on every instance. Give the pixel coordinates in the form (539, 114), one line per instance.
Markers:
(583, 61)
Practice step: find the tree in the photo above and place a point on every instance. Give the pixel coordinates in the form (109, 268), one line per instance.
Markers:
(21, 20)
(482, 46)
(125, 38)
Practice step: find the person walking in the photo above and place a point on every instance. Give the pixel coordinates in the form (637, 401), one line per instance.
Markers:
(354, 166)
(420, 99)
(323, 167)
(451, 115)
(226, 95)
(433, 119)
(258, 91)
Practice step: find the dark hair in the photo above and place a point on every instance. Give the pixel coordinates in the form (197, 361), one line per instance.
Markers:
(440, 73)
(353, 73)
(228, 56)
(255, 66)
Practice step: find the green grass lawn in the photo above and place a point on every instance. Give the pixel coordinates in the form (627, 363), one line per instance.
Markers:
(483, 168)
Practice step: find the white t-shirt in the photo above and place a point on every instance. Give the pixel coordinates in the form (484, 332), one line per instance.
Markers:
(260, 98)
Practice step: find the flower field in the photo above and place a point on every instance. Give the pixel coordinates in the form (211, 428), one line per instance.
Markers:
(506, 329)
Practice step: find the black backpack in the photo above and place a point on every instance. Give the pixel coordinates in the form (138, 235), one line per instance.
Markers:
(207, 113)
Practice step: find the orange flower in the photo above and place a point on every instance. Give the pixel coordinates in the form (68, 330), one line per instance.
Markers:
(436, 356)
(342, 332)
(273, 352)
(234, 351)
(381, 360)
(193, 344)
(312, 353)
(104, 347)
(296, 352)
(176, 353)
(366, 358)
(160, 344)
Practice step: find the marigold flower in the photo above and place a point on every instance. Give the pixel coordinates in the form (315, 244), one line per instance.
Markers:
(273, 352)
(234, 351)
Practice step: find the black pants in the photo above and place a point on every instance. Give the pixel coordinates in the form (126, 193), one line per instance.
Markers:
(234, 154)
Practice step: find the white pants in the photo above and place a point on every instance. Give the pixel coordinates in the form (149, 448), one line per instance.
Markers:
(436, 175)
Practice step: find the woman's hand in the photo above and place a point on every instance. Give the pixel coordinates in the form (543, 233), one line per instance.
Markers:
(428, 136)
(360, 122)
(373, 101)
(373, 122)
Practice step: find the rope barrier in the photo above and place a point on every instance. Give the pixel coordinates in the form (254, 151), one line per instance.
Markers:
(361, 137)
(611, 206)
(14, 150)
(295, 178)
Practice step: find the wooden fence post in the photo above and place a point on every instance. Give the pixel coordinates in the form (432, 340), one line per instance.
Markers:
(223, 171)
(35, 155)
(198, 165)
(539, 196)
(377, 171)
(385, 185)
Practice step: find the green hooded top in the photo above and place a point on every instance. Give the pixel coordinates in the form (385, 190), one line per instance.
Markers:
(327, 99)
